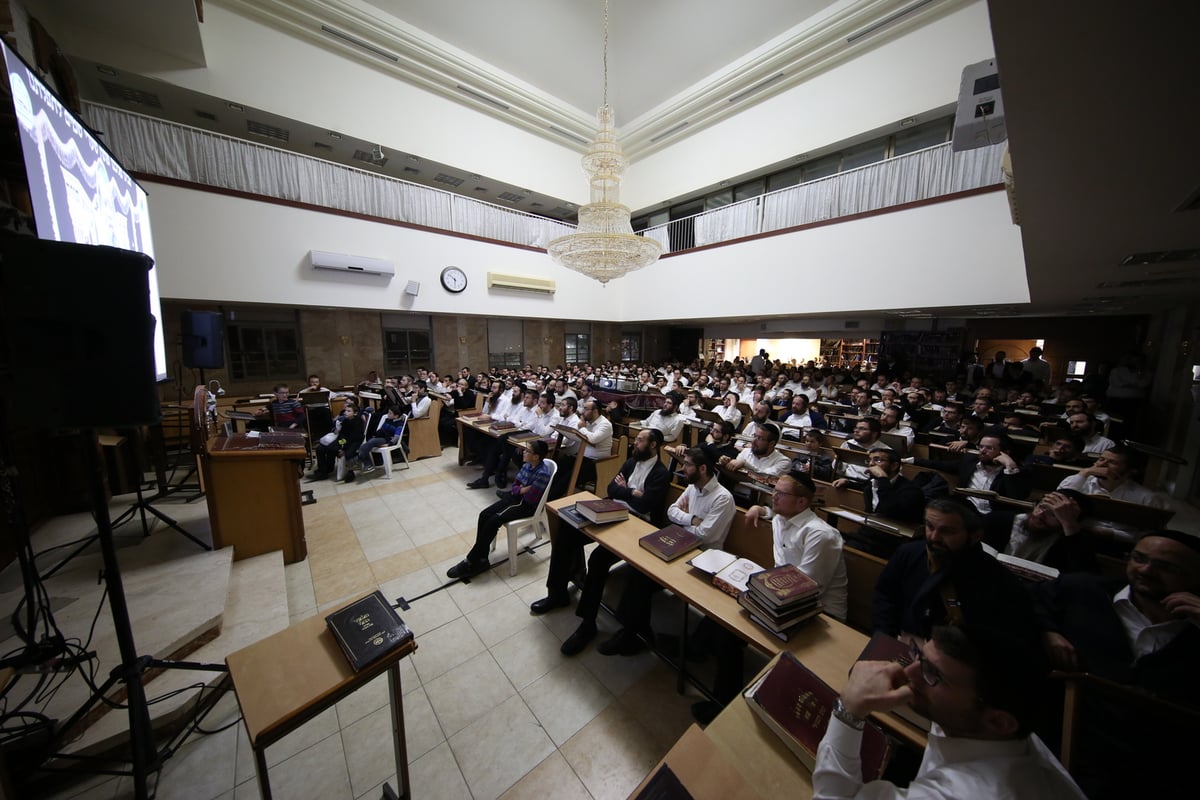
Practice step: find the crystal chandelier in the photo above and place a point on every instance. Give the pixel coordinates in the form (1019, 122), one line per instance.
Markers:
(604, 245)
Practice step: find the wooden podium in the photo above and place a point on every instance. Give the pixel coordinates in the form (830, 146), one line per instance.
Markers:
(253, 493)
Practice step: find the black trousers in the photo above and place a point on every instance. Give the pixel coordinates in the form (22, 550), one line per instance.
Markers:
(565, 553)
(490, 520)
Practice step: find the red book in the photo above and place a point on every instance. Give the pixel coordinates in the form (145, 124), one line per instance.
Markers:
(602, 511)
(782, 586)
(670, 543)
(503, 425)
(796, 705)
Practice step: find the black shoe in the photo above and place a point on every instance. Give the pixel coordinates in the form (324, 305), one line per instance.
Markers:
(550, 603)
(349, 477)
(479, 483)
(467, 569)
(579, 639)
(318, 476)
(706, 711)
(624, 643)
(502, 482)
(503, 494)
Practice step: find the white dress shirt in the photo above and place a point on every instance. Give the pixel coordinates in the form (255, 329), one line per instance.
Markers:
(1144, 636)
(599, 437)
(714, 507)
(670, 426)
(953, 768)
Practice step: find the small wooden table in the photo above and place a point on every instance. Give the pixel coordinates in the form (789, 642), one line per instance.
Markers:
(287, 679)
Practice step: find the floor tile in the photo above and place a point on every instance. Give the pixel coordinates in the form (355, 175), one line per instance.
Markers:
(468, 692)
(612, 754)
(317, 773)
(445, 648)
(437, 775)
(495, 751)
(528, 655)
(566, 699)
(551, 778)
(500, 619)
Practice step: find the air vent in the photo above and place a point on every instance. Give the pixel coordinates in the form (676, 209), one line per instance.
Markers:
(481, 97)
(535, 205)
(665, 134)
(568, 135)
(354, 40)
(269, 131)
(758, 87)
(411, 171)
(208, 115)
(322, 146)
(511, 197)
(449, 180)
(852, 323)
(560, 211)
(1160, 257)
(481, 188)
(128, 94)
(366, 156)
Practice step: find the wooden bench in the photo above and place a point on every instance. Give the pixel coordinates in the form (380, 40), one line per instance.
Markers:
(423, 439)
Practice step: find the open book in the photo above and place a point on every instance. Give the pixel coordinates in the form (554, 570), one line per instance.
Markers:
(730, 573)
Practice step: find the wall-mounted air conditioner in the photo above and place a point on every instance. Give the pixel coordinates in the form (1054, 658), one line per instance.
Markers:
(521, 283)
(339, 262)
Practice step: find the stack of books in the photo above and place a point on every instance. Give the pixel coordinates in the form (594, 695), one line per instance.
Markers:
(602, 511)
(781, 600)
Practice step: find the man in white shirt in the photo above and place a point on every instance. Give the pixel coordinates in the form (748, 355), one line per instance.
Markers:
(978, 686)
(705, 508)
(666, 419)
(1112, 476)
(564, 414)
(1084, 426)
(761, 457)
(729, 410)
(597, 433)
(761, 415)
(1035, 367)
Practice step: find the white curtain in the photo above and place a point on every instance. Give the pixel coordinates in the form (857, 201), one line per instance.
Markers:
(144, 144)
(727, 222)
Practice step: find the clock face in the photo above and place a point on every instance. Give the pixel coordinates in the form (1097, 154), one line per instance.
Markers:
(454, 279)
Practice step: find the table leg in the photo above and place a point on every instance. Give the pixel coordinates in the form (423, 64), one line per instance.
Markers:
(260, 767)
(683, 645)
(397, 701)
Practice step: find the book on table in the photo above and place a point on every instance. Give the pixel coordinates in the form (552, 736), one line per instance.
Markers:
(503, 425)
(797, 705)
(783, 588)
(367, 629)
(729, 572)
(572, 515)
(781, 628)
(670, 542)
(603, 511)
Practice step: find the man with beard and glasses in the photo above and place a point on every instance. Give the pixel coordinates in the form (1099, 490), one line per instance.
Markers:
(1144, 633)
(642, 482)
(948, 579)
(980, 691)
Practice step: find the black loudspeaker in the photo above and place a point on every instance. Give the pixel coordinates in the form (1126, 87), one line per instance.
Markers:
(78, 335)
(203, 340)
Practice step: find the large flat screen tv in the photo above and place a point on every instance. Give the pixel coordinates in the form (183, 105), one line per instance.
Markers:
(79, 191)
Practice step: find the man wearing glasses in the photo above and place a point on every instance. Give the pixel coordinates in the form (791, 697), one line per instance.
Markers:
(979, 689)
(1143, 632)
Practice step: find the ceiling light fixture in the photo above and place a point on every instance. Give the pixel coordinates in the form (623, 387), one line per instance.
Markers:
(604, 245)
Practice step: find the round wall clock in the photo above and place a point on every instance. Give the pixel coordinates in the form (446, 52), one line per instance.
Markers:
(454, 279)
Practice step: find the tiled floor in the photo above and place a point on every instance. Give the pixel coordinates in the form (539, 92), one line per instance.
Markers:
(492, 709)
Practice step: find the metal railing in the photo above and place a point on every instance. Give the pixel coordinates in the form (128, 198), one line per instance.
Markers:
(922, 175)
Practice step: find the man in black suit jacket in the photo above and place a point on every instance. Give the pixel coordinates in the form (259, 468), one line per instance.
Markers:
(887, 494)
(993, 469)
(1146, 634)
(642, 483)
(948, 579)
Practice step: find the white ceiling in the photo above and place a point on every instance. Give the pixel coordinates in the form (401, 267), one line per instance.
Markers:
(1100, 99)
(657, 48)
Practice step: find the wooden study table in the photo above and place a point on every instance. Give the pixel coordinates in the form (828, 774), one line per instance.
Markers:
(468, 422)
(287, 679)
(253, 494)
(704, 770)
(825, 646)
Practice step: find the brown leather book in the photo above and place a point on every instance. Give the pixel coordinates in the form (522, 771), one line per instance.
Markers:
(782, 629)
(601, 511)
(503, 425)
(782, 587)
(797, 705)
(670, 543)
(367, 628)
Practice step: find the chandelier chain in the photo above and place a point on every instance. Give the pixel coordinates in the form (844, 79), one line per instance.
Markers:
(605, 52)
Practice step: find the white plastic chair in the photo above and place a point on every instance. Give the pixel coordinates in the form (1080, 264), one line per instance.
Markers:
(538, 523)
(385, 451)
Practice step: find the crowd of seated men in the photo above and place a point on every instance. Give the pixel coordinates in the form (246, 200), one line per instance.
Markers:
(963, 461)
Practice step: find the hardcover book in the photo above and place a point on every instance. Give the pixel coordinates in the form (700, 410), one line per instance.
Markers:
(733, 578)
(503, 425)
(782, 586)
(601, 511)
(367, 628)
(884, 647)
(782, 628)
(797, 705)
(571, 515)
(670, 543)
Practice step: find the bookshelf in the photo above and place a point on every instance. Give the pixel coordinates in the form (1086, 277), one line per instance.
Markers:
(925, 353)
(847, 352)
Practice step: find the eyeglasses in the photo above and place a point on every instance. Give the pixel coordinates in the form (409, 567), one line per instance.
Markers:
(1141, 559)
(931, 674)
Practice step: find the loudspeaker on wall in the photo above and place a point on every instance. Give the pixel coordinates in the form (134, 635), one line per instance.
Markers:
(203, 340)
(413, 288)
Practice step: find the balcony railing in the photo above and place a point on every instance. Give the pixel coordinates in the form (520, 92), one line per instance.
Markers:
(923, 175)
(169, 150)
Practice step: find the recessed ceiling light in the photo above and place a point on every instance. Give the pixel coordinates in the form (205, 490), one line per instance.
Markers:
(334, 135)
(907, 121)
(235, 107)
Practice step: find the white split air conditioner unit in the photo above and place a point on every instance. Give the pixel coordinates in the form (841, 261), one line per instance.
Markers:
(339, 262)
(979, 119)
(521, 283)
